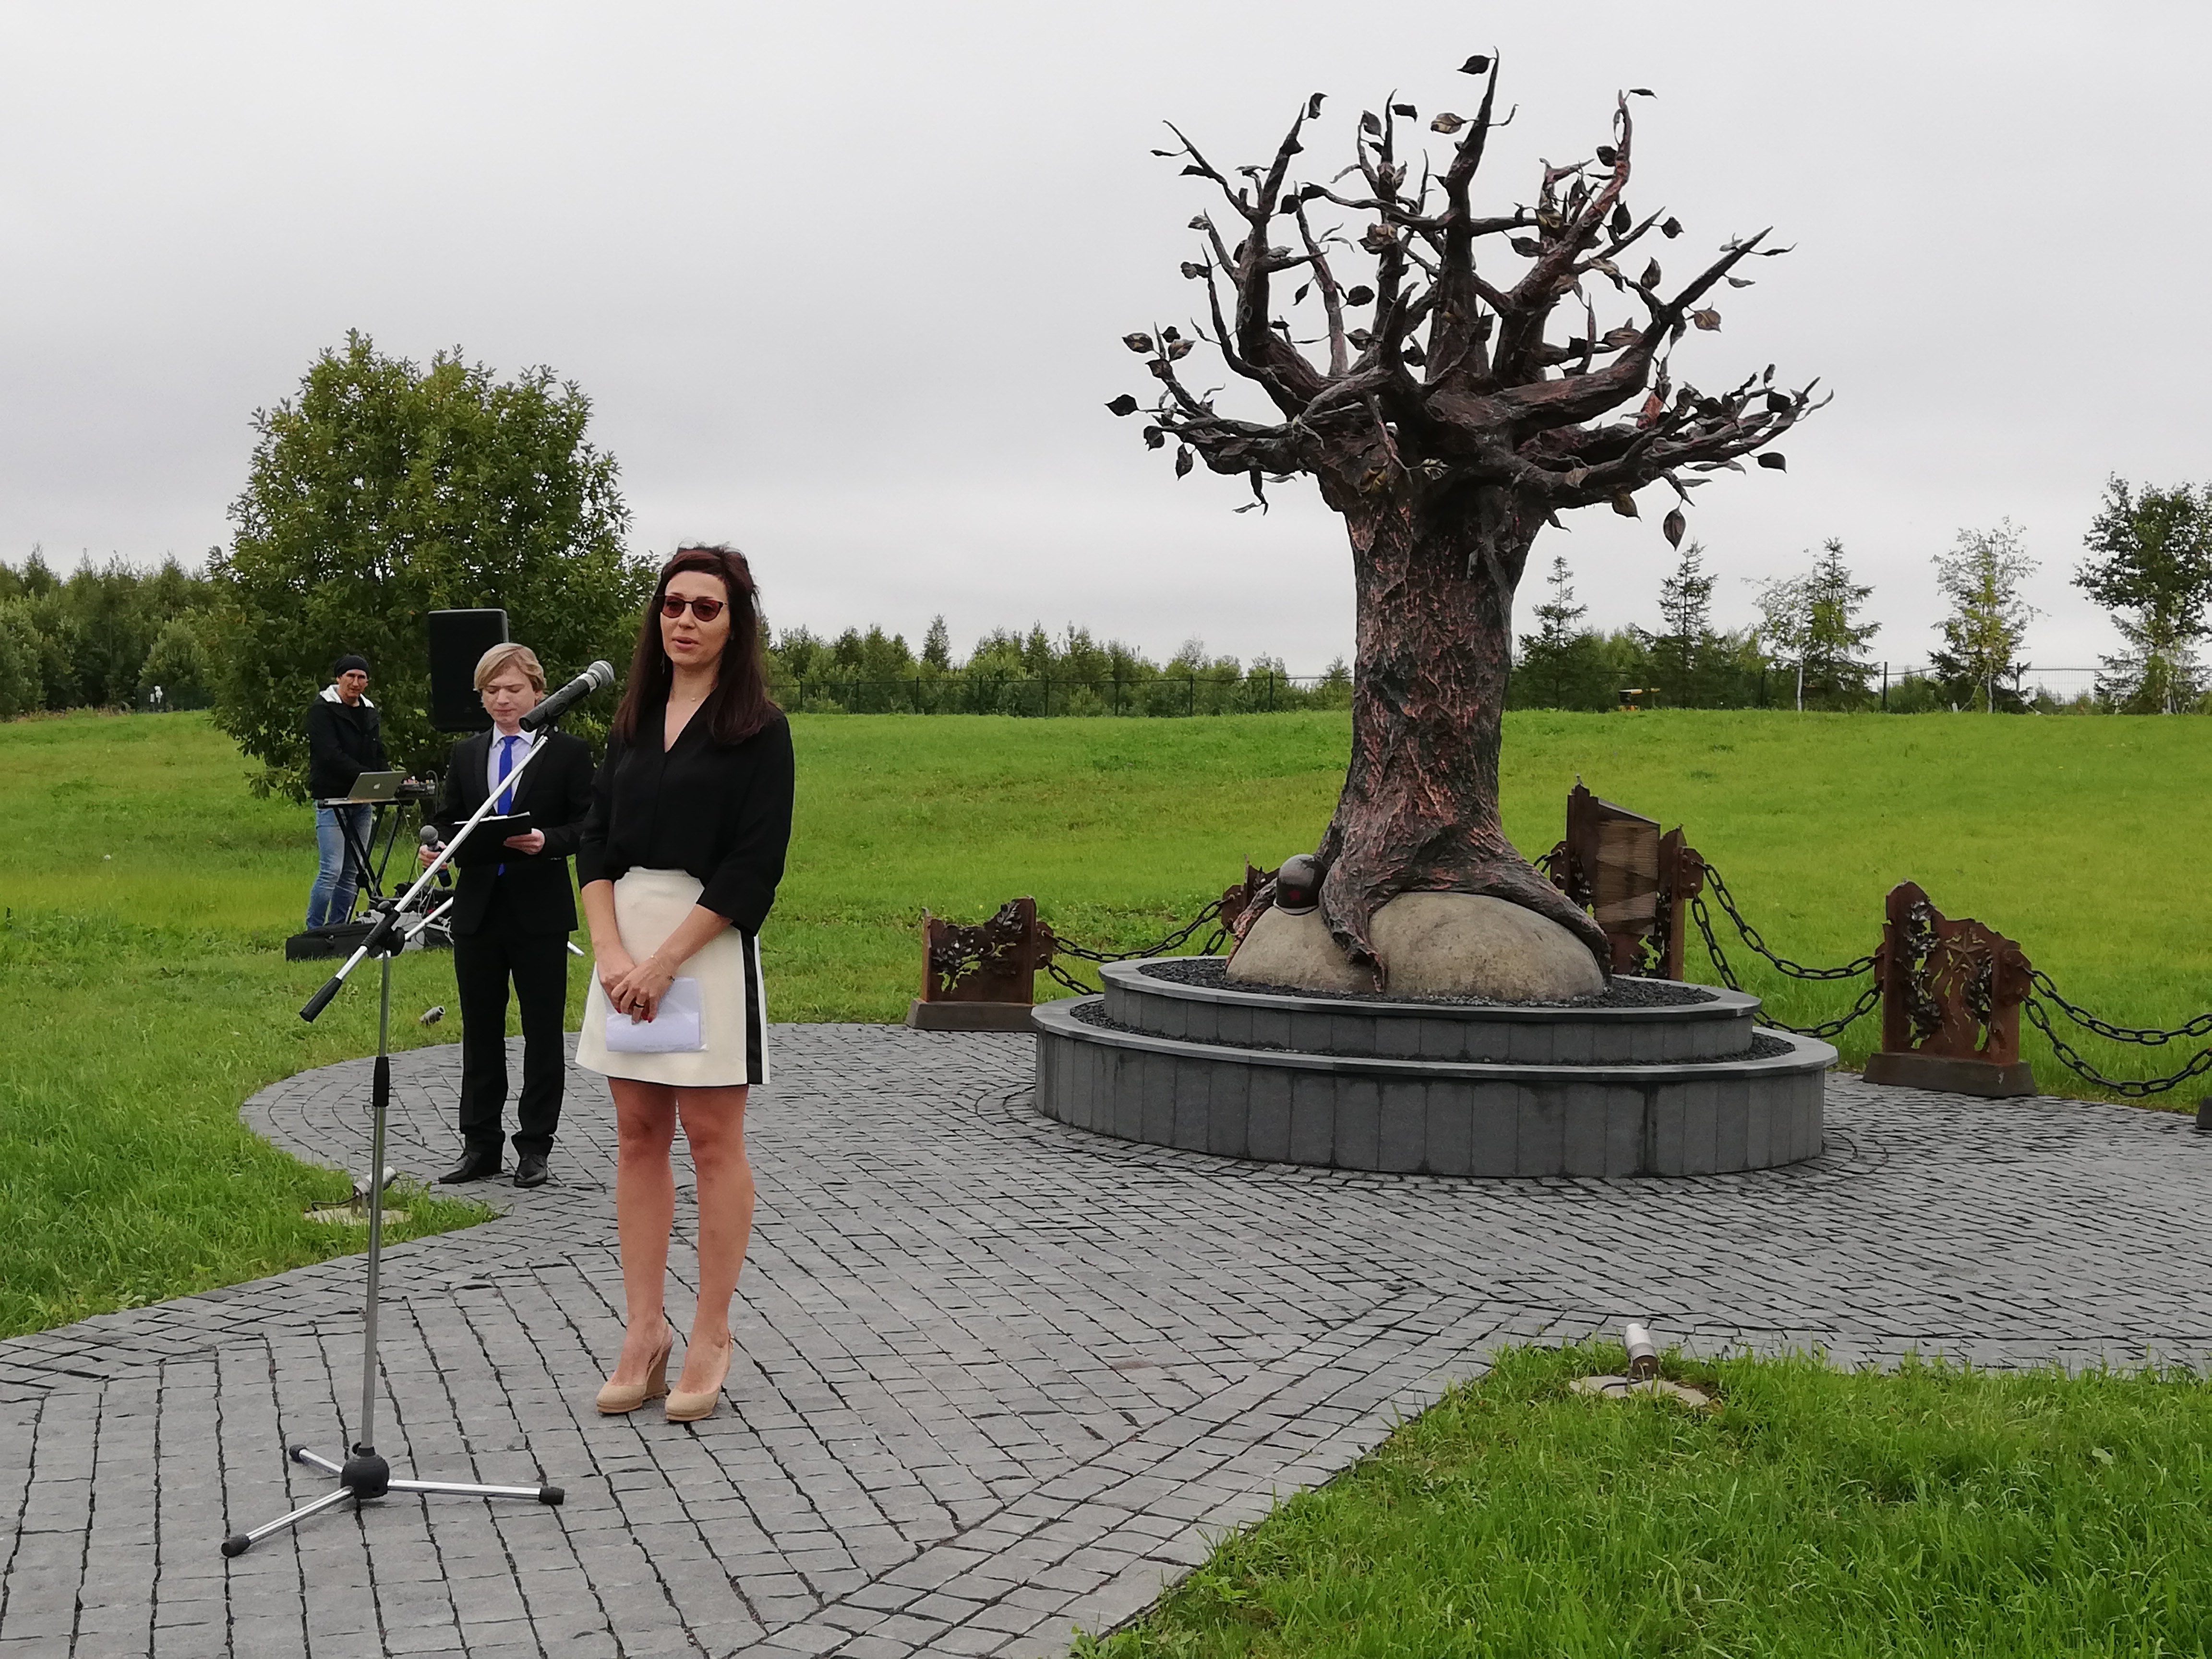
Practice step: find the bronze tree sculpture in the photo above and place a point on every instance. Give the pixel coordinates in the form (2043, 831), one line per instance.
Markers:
(1447, 431)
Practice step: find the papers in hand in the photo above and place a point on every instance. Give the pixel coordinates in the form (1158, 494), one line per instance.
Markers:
(673, 1029)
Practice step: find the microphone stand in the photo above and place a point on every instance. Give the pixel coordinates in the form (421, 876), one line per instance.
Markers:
(364, 1475)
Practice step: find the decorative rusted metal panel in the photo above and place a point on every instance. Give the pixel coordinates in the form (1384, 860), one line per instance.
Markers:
(996, 960)
(1952, 988)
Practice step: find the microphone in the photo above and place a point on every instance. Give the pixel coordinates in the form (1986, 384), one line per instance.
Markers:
(597, 676)
(429, 837)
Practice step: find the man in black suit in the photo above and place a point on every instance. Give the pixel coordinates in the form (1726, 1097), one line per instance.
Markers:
(511, 917)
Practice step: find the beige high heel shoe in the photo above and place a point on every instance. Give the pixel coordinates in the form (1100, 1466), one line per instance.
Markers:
(685, 1406)
(616, 1398)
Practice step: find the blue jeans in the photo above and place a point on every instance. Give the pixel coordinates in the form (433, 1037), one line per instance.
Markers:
(331, 899)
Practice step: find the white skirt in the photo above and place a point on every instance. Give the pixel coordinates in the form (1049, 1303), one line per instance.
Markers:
(649, 906)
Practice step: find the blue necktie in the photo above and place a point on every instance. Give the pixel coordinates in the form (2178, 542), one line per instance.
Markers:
(507, 795)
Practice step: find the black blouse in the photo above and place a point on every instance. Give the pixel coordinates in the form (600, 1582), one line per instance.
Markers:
(721, 811)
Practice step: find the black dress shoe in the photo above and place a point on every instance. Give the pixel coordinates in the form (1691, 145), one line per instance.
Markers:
(475, 1164)
(530, 1170)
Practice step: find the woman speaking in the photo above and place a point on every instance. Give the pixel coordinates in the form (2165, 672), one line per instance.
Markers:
(679, 864)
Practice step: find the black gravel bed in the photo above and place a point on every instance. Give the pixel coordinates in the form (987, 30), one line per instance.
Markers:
(1763, 1046)
(1212, 972)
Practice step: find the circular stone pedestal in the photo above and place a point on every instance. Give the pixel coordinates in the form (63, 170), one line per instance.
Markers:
(1432, 1087)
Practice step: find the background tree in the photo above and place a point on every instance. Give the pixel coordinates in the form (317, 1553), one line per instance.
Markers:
(1560, 662)
(2152, 569)
(1785, 627)
(381, 492)
(1681, 650)
(1982, 636)
(1837, 671)
(936, 644)
(22, 689)
(1447, 425)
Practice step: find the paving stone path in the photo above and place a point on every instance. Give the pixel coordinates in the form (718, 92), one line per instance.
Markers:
(1000, 1378)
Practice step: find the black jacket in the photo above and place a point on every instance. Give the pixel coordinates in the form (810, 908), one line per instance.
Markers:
(556, 790)
(721, 811)
(344, 740)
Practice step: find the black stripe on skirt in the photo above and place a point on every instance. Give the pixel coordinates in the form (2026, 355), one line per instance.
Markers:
(755, 1012)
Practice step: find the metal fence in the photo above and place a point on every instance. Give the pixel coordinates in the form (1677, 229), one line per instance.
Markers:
(1043, 695)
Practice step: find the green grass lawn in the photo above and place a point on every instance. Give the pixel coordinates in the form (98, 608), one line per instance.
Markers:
(147, 895)
(1809, 1512)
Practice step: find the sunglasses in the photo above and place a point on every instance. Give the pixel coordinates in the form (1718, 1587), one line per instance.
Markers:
(704, 609)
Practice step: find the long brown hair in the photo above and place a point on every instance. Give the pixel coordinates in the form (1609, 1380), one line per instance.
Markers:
(739, 705)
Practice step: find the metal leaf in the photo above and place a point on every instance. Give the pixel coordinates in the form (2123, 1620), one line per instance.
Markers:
(1672, 228)
(1154, 437)
(1313, 107)
(1193, 270)
(1778, 403)
(1477, 64)
(1607, 155)
(1359, 294)
(1370, 122)
(1171, 333)
(1201, 222)
(1406, 110)
(1621, 220)
(1124, 405)
(1527, 246)
(1624, 504)
(1773, 460)
(1448, 122)
(1651, 277)
(1194, 169)
(1178, 349)
(1740, 282)
(1137, 342)
(1673, 524)
(1378, 239)
(1182, 462)
(1299, 298)
(1618, 338)
(1707, 318)
(1414, 354)
(1642, 92)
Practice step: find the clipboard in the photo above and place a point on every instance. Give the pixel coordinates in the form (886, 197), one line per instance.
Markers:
(487, 842)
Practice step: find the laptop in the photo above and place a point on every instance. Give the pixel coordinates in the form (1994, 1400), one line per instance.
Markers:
(374, 787)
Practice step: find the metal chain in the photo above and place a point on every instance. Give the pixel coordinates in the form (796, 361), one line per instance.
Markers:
(2150, 1036)
(1159, 948)
(1869, 998)
(2131, 1089)
(1795, 971)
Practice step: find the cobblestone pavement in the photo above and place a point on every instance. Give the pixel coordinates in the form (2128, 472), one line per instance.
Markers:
(999, 1378)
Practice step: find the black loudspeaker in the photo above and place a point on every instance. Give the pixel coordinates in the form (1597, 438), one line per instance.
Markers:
(458, 638)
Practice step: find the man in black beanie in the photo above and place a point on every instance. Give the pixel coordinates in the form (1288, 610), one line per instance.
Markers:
(345, 739)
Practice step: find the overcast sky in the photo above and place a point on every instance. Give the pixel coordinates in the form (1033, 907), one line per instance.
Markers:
(845, 283)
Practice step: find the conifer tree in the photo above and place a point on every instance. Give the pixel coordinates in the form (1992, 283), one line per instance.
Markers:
(1681, 649)
(1550, 656)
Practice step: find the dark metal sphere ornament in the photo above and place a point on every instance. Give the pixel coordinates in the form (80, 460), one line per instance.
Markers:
(1297, 884)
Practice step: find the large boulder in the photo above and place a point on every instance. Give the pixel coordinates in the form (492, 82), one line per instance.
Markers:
(1431, 945)
(1292, 947)
(1467, 945)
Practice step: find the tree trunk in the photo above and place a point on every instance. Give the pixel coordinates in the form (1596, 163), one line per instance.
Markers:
(1420, 808)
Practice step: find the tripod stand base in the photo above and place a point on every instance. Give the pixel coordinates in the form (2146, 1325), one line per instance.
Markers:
(364, 1476)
